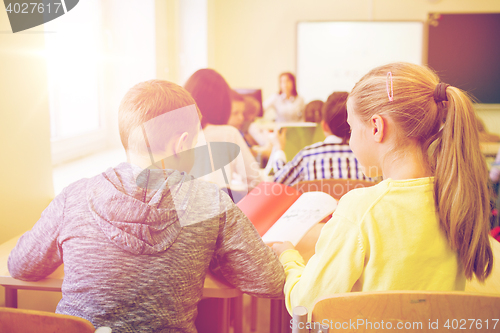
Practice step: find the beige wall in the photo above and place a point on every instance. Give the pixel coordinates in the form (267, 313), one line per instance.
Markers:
(25, 168)
(254, 41)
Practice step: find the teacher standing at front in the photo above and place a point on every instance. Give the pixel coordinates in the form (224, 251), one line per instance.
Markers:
(287, 105)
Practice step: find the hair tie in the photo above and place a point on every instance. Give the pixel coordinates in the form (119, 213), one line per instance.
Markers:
(440, 92)
(391, 93)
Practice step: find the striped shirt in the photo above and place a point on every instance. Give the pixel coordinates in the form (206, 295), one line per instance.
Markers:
(329, 159)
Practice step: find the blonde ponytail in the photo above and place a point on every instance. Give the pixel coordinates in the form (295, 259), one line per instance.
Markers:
(448, 134)
(461, 191)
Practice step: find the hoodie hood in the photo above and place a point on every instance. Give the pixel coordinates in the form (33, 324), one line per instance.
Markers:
(140, 220)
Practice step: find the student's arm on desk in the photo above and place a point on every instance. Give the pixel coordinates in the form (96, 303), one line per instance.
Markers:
(243, 258)
(334, 268)
(38, 252)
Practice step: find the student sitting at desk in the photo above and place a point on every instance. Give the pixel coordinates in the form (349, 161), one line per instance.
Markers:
(313, 111)
(244, 110)
(237, 116)
(332, 158)
(425, 226)
(137, 240)
(212, 95)
(253, 133)
(258, 139)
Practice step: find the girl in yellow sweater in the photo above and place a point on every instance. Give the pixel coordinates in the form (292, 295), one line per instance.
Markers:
(425, 227)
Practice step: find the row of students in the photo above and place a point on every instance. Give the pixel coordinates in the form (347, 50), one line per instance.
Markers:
(213, 98)
(329, 159)
(332, 158)
(137, 240)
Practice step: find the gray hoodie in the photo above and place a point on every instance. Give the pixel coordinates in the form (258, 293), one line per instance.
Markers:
(135, 257)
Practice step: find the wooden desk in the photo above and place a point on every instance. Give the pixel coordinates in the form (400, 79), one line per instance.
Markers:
(52, 283)
(212, 288)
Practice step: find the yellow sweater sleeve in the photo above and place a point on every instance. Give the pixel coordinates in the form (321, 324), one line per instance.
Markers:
(337, 264)
(293, 263)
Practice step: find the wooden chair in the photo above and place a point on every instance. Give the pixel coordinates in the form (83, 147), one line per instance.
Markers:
(422, 311)
(335, 187)
(21, 321)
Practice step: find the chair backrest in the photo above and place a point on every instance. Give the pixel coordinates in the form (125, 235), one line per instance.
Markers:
(21, 321)
(416, 310)
(335, 187)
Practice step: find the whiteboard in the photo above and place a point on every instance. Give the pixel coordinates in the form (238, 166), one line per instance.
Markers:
(333, 56)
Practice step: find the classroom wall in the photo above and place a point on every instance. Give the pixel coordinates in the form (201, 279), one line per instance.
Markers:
(255, 40)
(130, 51)
(26, 170)
(27, 187)
(182, 45)
(24, 130)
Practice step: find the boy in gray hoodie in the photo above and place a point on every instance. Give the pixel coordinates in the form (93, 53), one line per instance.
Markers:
(137, 240)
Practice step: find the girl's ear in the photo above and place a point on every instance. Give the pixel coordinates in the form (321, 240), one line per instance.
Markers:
(180, 144)
(377, 124)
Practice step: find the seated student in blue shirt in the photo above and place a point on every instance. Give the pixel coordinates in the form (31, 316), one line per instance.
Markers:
(332, 158)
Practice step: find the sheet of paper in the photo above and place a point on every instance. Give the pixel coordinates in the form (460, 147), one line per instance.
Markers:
(308, 210)
(266, 203)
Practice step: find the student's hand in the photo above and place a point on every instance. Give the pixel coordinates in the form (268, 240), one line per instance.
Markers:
(279, 248)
